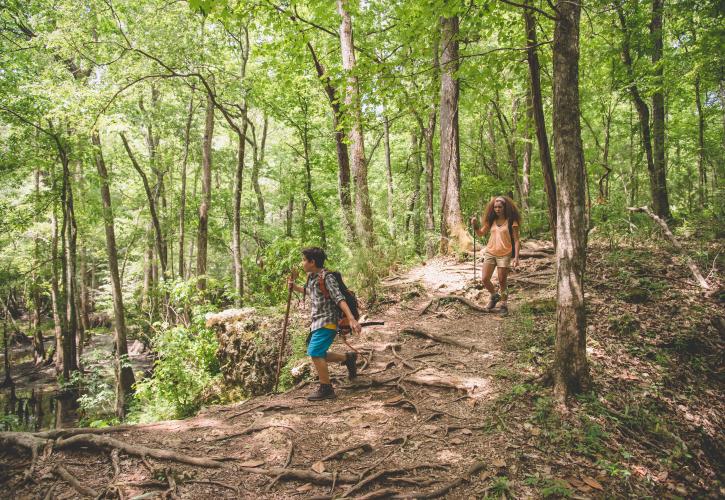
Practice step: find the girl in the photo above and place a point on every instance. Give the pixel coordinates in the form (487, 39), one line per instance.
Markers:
(501, 218)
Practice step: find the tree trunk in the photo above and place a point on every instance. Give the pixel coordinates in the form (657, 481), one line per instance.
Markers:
(428, 136)
(58, 318)
(658, 203)
(237, 215)
(343, 158)
(702, 178)
(305, 139)
(454, 235)
(660, 198)
(153, 208)
(68, 242)
(289, 215)
(182, 200)
(413, 212)
(258, 161)
(124, 373)
(38, 346)
(570, 370)
(203, 234)
(363, 211)
(528, 150)
(537, 104)
(389, 172)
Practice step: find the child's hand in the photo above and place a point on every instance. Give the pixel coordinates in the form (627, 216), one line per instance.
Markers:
(355, 326)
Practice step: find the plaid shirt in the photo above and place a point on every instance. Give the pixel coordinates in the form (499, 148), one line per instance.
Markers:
(325, 313)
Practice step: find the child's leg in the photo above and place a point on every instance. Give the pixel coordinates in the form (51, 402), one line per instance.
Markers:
(322, 372)
(502, 273)
(487, 272)
(335, 357)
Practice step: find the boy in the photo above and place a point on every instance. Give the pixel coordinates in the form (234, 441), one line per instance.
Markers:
(325, 316)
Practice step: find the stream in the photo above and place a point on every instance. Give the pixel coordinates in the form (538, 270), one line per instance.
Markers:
(36, 403)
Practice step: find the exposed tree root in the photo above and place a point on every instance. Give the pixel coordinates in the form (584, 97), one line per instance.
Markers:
(458, 298)
(262, 408)
(403, 403)
(301, 475)
(139, 451)
(252, 429)
(287, 461)
(440, 338)
(474, 469)
(335, 454)
(387, 472)
(69, 478)
(26, 441)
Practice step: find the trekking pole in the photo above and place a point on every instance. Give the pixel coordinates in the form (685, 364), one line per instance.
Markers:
(284, 337)
(474, 254)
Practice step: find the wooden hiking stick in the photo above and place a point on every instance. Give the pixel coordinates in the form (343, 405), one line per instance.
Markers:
(284, 337)
(474, 254)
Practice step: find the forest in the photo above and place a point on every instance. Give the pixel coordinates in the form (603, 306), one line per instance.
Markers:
(163, 163)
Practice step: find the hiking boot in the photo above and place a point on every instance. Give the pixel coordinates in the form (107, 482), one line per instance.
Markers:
(324, 391)
(493, 301)
(350, 363)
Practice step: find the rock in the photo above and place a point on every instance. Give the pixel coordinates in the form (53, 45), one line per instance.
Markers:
(248, 347)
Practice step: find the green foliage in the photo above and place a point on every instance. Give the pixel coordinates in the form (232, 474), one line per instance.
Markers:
(186, 365)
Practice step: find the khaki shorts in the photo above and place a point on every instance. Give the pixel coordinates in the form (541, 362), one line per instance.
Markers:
(504, 261)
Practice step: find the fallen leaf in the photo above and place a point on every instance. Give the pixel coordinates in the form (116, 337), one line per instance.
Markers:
(393, 400)
(593, 483)
(318, 467)
(305, 487)
(535, 431)
(252, 463)
(499, 463)
(467, 432)
(456, 441)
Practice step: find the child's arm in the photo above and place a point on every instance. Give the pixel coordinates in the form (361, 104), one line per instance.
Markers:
(517, 245)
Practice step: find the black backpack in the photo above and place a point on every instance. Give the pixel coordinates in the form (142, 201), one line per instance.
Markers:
(349, 295)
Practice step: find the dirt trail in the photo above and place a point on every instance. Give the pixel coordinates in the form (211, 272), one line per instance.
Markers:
(421, 414)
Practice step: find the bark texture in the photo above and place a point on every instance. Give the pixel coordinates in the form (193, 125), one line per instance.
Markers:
(454, 235)
(571, 370)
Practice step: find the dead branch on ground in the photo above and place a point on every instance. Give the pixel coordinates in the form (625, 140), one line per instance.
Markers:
(440, 338)
(367, 447)
(69, 478)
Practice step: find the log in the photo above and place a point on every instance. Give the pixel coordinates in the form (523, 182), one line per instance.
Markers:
(671, 237)
(95, 441)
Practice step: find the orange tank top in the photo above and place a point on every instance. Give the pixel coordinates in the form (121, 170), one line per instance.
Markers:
(499, 240)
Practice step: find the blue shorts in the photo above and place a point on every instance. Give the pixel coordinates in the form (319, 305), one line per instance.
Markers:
(320, 341)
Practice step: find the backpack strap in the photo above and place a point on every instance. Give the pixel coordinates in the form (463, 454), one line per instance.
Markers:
(511, 235)
(323, 286)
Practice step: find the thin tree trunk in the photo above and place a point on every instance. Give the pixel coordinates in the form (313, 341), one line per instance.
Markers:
(343, 158)
(153, 208)
(236, 216)
(363, 211)
(571, 369)
(414, 205)
(528, 150)
(289, 215)
(124, 373)
(643, 112)
(182, 200)
(258, 161)
(68, 242)
(454, 234)
(428, 136)
(660, 196)
(58, 318)
(204, 206)
(305, 138)
(537, 104)
(389, 176)
(38, 346)
(702, 170)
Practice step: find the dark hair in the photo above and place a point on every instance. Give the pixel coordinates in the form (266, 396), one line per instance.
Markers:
(510, 210)
(315, 254)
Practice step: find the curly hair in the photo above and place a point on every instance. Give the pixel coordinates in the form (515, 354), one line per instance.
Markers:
(510, 211)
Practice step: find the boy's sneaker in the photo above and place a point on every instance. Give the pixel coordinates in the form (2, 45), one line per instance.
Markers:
(350, 363)
(324, 391)
(494, 300)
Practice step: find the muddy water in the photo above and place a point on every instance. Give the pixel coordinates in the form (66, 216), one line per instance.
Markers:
(36, 403)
